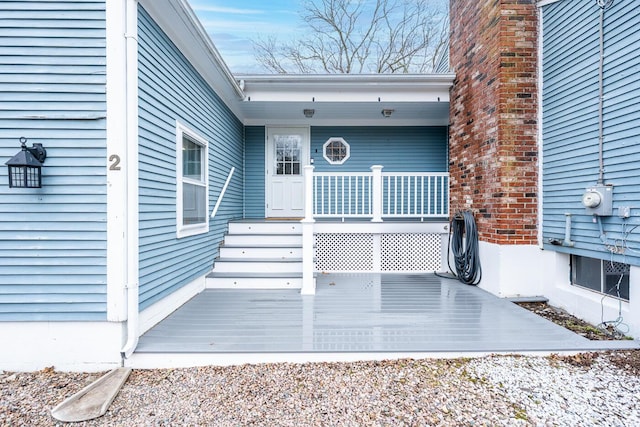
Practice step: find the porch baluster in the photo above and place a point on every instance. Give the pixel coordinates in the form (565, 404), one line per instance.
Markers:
(377, 193)
(429, 195)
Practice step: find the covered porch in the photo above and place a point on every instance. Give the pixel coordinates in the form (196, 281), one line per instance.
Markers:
(367, 221)
(352, 316)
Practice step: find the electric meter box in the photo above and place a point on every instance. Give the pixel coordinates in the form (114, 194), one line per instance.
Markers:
(598, 200)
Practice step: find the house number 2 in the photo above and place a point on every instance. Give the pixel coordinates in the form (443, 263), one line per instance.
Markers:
(115, 166)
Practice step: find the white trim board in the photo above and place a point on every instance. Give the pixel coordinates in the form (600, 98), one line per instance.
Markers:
(121, 160)
(540, 112)
(163, 308)
(116, 147)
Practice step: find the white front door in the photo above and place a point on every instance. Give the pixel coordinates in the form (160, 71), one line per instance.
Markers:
(287, 154)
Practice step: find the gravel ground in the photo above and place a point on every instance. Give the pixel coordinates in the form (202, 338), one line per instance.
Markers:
(583, 390)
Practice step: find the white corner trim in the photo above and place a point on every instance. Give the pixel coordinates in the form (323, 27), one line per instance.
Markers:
(121, 160)
(116, 158)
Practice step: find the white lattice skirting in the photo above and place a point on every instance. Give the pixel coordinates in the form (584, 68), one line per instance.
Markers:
(410, 252)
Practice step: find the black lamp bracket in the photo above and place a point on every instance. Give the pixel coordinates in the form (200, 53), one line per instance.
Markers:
(37, 150)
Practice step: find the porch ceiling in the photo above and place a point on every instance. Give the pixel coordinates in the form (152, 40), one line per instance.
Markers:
(346, 113)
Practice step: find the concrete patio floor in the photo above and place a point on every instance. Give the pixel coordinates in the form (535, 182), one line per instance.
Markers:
(352, 316)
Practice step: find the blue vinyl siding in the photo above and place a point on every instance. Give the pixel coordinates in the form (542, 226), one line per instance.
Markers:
(171, 89)
(254, 149)
(52, 86)
(570, 123)
(398, 149)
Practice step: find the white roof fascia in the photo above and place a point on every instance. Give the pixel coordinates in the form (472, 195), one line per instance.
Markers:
(180, 23)
(347, 87)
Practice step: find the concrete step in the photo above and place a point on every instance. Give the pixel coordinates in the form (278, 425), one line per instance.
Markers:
(227, 280)
(266, 252)
(263, 240)
(265, 227)
(257, 265)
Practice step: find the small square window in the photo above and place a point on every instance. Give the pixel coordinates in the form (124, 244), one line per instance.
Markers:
(336, 151)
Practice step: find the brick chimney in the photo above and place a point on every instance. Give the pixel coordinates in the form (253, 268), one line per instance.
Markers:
(493, 160)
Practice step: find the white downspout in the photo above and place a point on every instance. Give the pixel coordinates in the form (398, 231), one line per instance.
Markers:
(132, 273)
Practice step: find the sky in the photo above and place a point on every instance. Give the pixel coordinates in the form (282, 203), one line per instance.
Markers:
(232, 24)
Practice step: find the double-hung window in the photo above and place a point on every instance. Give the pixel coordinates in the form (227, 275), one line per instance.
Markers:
(192, 199)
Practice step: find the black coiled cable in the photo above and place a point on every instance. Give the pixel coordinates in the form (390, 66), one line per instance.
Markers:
(465, 251)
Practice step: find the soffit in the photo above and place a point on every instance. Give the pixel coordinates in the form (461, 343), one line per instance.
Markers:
(346, 99)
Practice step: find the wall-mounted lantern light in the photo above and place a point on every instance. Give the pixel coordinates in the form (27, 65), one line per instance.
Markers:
(387, 112)
(308, 112)
(25, 168)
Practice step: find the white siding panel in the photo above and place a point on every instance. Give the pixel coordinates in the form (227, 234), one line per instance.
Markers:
(171, 89)
(570, 123)
(53, 240)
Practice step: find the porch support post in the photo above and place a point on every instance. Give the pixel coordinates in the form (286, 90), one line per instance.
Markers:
(376, 189)
(308, 279)
(308, 193)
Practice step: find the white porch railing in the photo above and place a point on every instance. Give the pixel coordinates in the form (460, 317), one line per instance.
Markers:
(375, 195)
(379, 195)
(342, 195)
(415, 195)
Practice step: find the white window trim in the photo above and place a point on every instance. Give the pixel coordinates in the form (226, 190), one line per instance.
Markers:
(329, 141)
(192, 229)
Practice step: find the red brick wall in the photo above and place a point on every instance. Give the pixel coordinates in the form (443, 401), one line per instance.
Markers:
(493, 115)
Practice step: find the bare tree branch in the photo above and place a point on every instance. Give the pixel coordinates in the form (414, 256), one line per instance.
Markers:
(347, 36)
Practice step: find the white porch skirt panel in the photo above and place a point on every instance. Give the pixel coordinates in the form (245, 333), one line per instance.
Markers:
(411, 252)
(344, 252)
(392, 252)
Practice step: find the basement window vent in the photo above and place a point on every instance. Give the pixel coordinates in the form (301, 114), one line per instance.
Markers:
(605, 277)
